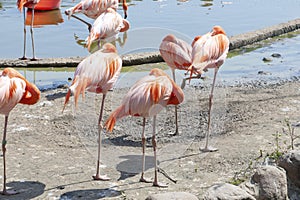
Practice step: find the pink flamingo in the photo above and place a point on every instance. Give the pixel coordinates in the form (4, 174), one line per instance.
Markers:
(94, 8)
(21, 6)
(209, 51)
(107, 26)
(178, 55)
(14, 89)
(97, 73)
(146, 98)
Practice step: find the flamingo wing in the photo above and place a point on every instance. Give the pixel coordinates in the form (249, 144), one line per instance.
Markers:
(106, 26)
(175, 52)
(210, 51)
(147, 97)
(96, 73)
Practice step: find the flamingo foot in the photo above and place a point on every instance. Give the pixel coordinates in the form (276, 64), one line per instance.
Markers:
(161, 185)
(101, 178)
(144, 180)
(209, 149)
(9, 192)
(23, 58)
(34, 59)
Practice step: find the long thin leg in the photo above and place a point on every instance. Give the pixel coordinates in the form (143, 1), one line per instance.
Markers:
(98, 176)
(88, 24)
(31, 31)
(155, 182)
(24, 34)
(4, 191)
(207, 148)
(142, 179)
(176, 108)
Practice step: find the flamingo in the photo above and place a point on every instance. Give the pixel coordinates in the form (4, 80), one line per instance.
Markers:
(146, 98)
(209, 51)
(14, 89)
(178, 55)
(97, 73)
(107, 26)
(21, 6)
(94, 8)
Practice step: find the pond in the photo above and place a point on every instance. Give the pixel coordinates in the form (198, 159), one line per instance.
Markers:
(150, 22)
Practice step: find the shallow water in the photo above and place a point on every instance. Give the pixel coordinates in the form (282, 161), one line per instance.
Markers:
(150, 21)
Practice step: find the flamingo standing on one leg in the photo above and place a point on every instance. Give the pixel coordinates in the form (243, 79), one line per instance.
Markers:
(14, 89)
(107, 26)
(209, 51)
(94, 8)
(21, 6)
(146, 98)
(97, 73)
(178, 55)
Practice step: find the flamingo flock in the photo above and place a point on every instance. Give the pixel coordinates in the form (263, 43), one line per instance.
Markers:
(99, 71)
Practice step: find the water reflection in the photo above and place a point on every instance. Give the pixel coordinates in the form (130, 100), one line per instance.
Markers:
(41, 18)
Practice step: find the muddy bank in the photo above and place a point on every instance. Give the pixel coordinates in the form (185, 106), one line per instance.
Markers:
(52, 155)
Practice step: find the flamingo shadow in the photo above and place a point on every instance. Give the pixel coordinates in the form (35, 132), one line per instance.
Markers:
(90, 194)
(132, 165)
(26, 190)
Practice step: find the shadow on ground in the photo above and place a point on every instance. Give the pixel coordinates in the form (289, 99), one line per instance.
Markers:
(90, 194)
(26, 190)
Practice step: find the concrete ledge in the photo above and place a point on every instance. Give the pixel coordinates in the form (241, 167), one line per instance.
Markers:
(153, 57)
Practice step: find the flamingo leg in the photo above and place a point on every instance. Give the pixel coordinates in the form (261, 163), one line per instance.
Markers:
(24, 34)
(4, 191)
(31, 31)
(155, 182)
(208, 148)
(98, 176)
(176, 108)
(142, 179)
(85, 22)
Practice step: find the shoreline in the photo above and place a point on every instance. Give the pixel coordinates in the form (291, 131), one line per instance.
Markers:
(236, 42)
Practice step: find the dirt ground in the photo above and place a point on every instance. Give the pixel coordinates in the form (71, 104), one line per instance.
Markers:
(52, 155)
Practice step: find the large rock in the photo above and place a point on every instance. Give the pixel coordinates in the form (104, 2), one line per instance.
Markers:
(291, 163)
(268, 182)
(225, 191)
(173, 196)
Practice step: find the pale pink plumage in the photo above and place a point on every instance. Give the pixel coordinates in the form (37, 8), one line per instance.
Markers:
(97, 73)
(107, 26)
(209, 51)
(177, 54)
(146, 98)
(94, 8)
(14, 89)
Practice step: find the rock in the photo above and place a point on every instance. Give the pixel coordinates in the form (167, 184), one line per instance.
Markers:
(224, 191)
(172, 196)
(267, 59)
(291, 163)
(268, 182)
(276, 55)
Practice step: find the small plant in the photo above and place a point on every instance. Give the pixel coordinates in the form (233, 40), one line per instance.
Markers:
(291, 132)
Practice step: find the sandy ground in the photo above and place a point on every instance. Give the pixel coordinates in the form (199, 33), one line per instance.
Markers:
(52, 155)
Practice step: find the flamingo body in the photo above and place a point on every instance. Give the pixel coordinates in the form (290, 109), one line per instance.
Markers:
(14, 89)
(94, 8)
(107, 26)
(146, 98)
(176, 52)
(210, 50)
(97, 73)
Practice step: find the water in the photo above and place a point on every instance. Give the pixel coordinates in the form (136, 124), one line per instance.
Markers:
(150, 22)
